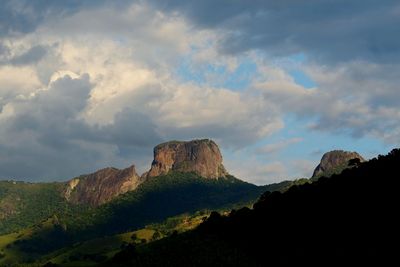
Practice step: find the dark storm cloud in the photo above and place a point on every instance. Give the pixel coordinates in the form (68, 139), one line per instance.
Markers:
(131, 128)
(327, 30)
(4, 50)
(23, 16)
(33, 55)
(46, 139)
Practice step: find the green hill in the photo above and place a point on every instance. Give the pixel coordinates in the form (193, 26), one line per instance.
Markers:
(90, 252)
(23, 204)
(44, 222)
(153, 201)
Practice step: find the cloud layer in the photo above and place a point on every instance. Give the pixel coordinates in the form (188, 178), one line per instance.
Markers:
(332, 31)
(88, 84)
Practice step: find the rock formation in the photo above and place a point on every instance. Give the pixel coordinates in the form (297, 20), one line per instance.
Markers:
(102, 186)
(200, 156)
(334, 162)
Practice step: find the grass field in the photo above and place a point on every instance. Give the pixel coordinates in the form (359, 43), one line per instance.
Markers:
(7, 253)
(91, 252)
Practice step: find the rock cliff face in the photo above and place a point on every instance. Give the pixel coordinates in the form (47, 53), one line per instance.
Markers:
(200, 156)
(334, 162)
(102, 186)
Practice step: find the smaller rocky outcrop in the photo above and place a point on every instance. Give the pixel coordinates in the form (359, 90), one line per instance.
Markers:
(200, 156)
(334, 162)
(102, 186)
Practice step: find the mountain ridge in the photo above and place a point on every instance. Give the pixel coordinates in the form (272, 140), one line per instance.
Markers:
(201, 156)
(154, 199)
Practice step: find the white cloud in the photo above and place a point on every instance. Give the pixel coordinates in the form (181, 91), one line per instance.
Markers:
(356, 98)
(303, 168)
(276, 147)
(17, 80)
(255, 171)
(105, 92)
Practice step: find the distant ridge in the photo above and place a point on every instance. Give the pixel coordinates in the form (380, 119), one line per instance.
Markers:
(334, 162)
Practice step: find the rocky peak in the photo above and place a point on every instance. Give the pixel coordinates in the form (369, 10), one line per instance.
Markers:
(200, 156)
(101, 186)
(334, 162)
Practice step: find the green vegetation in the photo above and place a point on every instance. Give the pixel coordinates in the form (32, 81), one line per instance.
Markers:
(159, 198)
(24, 204)
(180, 201)
(154, 201)
(91, 252)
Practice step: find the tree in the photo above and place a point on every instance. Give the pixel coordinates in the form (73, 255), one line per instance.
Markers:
(354, 162)
(156, 236)
(133, 237)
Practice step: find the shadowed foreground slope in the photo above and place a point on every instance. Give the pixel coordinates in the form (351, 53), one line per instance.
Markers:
(346, 219)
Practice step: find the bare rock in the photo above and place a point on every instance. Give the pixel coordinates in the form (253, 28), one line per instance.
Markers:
(200, 156)
(102, 186)
(334, 162)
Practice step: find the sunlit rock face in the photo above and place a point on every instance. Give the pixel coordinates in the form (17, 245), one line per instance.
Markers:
(199, 156)
(101, 186)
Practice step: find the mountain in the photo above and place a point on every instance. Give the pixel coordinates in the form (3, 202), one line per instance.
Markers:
(199, 156)
(185, 177)
(347, 219)
(102, 186)
(334, 162)
(153, 201)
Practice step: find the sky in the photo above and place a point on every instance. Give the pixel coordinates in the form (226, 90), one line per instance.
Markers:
(89, 84)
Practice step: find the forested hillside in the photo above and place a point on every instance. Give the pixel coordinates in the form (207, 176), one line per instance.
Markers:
(349, 218)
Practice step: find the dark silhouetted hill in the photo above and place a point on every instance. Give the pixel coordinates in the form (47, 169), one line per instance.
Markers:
(347, 219)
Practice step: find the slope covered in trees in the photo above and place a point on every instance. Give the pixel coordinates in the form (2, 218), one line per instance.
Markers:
(349, 218)
(153, 201)
(23, 204)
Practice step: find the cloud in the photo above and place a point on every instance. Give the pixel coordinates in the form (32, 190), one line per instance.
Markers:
(35, 128)
(87, 84)
(303, 168)
(45, 137)
(331, 31)
(276, 147)
(356, 99)
(235, 119)
(108, 97)
(33, 55)
(351, 50)
(257, 172)
(18, 17)
(362, 100)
